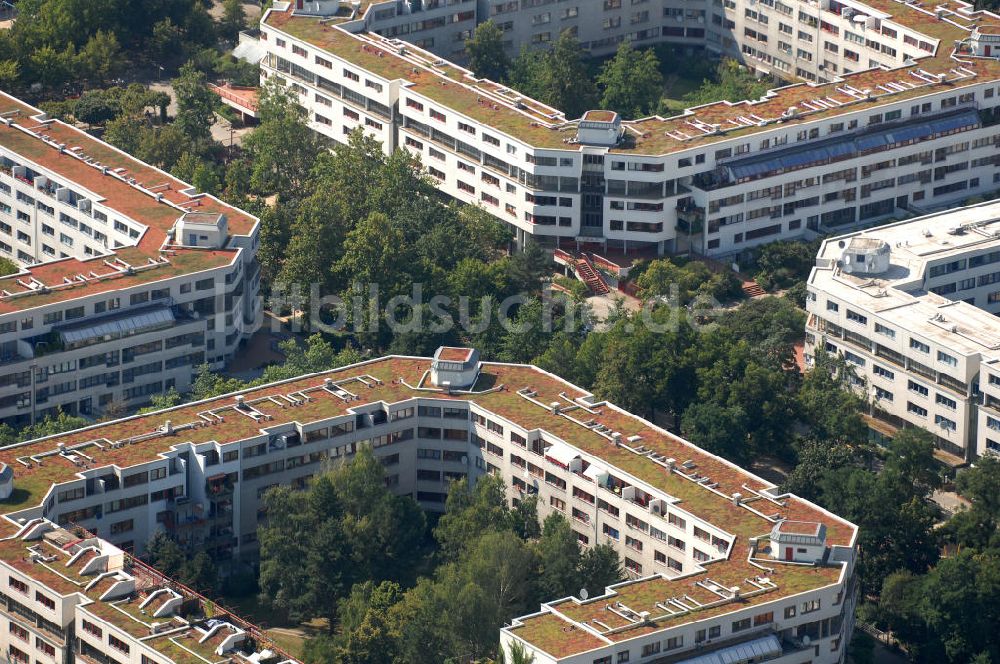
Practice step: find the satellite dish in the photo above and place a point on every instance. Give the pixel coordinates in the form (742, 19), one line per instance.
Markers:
(584, 594)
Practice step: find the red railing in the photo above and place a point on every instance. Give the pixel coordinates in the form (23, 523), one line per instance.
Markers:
(141, 570)
(231, 93)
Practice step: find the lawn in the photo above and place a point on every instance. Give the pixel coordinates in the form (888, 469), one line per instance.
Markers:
(675, 87)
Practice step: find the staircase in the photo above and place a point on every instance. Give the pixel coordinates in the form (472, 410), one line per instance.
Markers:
(752, 289)
(589, 275)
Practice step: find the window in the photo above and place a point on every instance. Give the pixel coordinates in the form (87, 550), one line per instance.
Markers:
(740, 625)
(886, 331)
(856, 317)
(832, 306)
(915, 409)
(883, 372)
(883, 395)
(45, 601)
(919, 345)
(945, 358)
(18, 585)
(117, 643)
(945, 423)
(945, 401)
(917, 387)
(651, 649)
(122, 527)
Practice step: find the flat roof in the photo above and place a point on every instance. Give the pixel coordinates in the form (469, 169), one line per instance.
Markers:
(130, 187)
(58, 558)
(452, 354)
(897, 295)
(944, 68)
(701, 483)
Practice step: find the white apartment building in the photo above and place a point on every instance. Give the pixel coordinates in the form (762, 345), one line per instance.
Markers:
(912, 307)
(718, 559)
(129, 278)
(71, 597)
(893, 118)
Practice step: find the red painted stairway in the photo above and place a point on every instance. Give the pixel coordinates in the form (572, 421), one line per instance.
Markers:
(590, 276)
(753, 289)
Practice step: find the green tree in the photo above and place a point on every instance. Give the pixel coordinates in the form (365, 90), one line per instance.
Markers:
(100, 58)
(10, 71)
(95, 108)
(827, 404)
(206, 178)
(632, 82)
(369, 635)
(487, 57)
(168, 399)
(165, 146)
(345, 528)
(561, 77)
(525, 72)
(894, 520)
(165, 554)
(644, 369)
(316, 355)
(166, 39)
(719, 429)
(733, 83)
(375, 252)
(282, 149)
(566, 80)
(233, 19)
(528, 334)
(977, 526)
(52, 425)
(950, 614)
(195, 104)
(600, 567)
(558, 554)
(481, 593)
(201, 574)
(471, 512)
(8, 266)
(515, 654)
(285, 540)
(208, 384)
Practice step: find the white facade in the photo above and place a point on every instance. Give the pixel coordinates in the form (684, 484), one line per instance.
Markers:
(893, 121)
(671, 510)
(919, 329)
(70, 597)
(129, 279)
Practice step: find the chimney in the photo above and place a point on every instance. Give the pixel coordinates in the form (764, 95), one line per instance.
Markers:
(737, 498)
(671, 462)
(616, 438)
(555, 407)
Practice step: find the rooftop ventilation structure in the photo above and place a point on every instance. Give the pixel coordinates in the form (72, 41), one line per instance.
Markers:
(599, 128)
(455, 368)
(865, 256)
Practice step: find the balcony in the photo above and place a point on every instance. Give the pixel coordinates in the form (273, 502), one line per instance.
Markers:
(219, 486)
